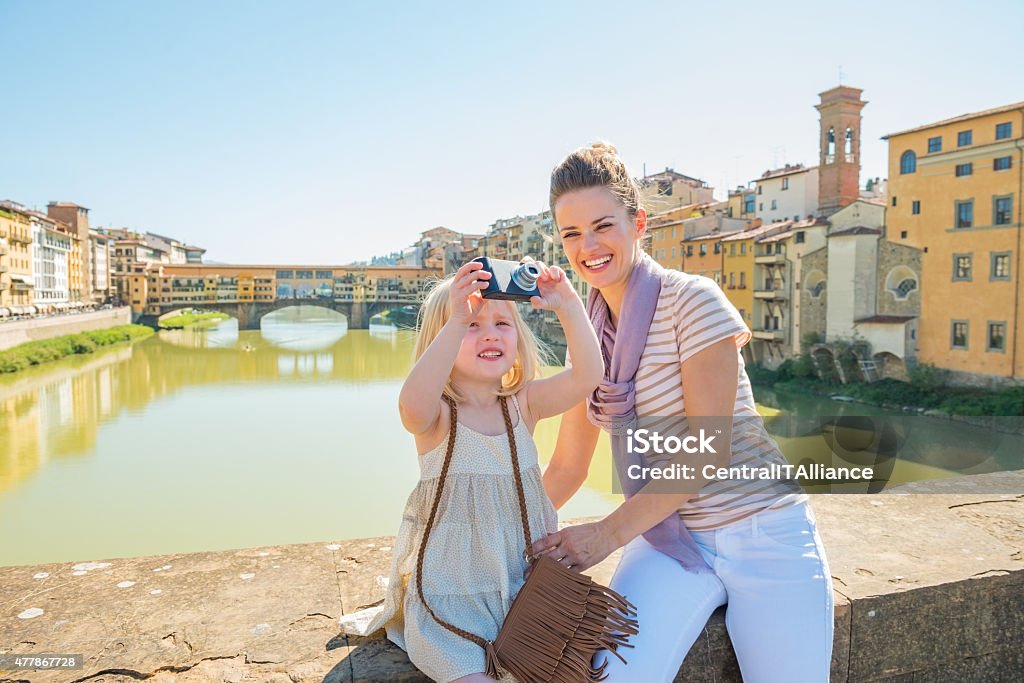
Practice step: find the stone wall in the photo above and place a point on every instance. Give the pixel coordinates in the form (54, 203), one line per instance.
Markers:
(813, 310)
(37, 329)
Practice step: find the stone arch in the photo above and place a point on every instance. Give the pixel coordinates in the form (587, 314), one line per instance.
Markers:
(815, 283)
(890, 366)
(900, 282)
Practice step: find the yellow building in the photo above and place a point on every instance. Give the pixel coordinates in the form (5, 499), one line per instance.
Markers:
(955, 190)
(16, 283)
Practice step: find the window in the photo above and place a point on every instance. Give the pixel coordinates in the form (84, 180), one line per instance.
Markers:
(1002, 210)
(934, 145)
(903, 234)
(908, 162)
(1002, 163)
(964, 213)
(962, 267)
(284, 274)
(718, 247)
(1000, 266)
(743, 280)
(703, 250)
(743, 248)
(732, 250)
(759, 188)
(760, 206)
(732, 280)
(848, 148)
(905, 287)
(748, 204)
(964, 169)
(894, 201)
(996, 337)
(963, 138)
(689, 250)
(743, 313)
(775, 204)
(830, 154)
(785, 183)
(674, 252)
(1004, 131)
(915, 207)
(800, 237)
(959, 334)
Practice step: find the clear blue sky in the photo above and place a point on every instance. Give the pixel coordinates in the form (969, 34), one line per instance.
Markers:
(325, 132)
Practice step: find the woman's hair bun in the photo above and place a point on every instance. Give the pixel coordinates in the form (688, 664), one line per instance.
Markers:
(604, 147)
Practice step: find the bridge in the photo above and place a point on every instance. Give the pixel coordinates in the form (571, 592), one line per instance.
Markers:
(250, 313)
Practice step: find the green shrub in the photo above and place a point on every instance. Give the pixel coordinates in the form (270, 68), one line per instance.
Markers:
(38, 352)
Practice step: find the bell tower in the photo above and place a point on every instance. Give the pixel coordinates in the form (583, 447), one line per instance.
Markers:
(839, 159)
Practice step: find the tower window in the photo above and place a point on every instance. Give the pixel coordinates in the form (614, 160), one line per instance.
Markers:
(849, 145)
(830, 153)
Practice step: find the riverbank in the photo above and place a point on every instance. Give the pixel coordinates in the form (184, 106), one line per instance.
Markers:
(15, 332)
(39, 352)
(182, 320)
(926, 586)
(928, 396)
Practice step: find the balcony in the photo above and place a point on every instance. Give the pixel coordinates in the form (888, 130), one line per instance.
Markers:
(769, 335)
(770, 259)
(3, 268)
(771, 293)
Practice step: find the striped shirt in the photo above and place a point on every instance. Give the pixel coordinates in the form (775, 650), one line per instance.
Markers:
(692, 314)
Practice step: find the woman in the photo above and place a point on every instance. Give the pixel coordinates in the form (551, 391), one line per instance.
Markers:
(671, 343)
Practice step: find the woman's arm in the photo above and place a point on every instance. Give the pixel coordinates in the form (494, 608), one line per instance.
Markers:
(710, 379)
(419, 402)
(577, 439)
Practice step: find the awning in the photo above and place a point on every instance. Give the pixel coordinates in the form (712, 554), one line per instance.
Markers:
(61, 306)
(5, 312)
(27, 279)
(31, 310)
(17, 310)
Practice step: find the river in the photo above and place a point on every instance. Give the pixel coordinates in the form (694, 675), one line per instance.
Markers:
(213, 439)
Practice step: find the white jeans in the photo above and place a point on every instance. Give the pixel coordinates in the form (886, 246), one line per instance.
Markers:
(771, 570)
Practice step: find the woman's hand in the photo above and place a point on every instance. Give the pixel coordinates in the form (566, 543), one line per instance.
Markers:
(464, 296)
(555, 289)
(578, 547)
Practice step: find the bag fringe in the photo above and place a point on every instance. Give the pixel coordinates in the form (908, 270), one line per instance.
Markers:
(567, 608)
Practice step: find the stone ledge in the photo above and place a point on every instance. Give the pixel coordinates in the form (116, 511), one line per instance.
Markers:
(928, 588)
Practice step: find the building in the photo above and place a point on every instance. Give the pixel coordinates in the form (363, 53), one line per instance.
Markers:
(16, 283)
(667, 190)
(738, 278)
(702, 255)
(100, 278)
(51, 263)
(839, 148)
(955, 190)
(79, 275)
(742, 202)
(789, 193)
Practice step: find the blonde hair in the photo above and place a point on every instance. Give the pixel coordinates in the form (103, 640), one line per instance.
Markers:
(530, 351)
(597, 165)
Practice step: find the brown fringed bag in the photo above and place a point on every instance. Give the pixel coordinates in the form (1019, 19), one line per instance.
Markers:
(560, 617)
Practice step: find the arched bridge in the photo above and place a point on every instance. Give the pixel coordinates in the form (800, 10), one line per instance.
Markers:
(250, 313)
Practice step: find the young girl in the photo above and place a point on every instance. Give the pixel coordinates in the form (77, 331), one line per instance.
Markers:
(477, 353)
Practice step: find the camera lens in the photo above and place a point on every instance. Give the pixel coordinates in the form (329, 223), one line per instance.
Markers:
(526, 275)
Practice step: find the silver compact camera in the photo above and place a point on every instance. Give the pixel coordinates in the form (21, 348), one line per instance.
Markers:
(510, 280)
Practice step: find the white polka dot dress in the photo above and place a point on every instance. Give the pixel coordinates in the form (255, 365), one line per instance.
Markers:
(474, 562)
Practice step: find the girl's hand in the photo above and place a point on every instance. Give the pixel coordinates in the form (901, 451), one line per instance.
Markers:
(578, 547)
(556, 291)
(464, 298)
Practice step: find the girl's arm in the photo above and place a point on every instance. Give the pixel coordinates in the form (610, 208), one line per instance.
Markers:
(419, 402)
(556, 394)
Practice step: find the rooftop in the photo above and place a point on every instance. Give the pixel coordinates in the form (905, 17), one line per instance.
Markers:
(957, 119)
(788, 169)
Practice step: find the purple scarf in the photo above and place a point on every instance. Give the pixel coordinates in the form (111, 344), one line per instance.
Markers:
(612, 406)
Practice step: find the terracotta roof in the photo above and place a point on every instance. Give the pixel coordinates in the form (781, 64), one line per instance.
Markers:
(855, 230)
(886, 319)
(956, 119)
(712, 236)
(785, 170)
(769, 229)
